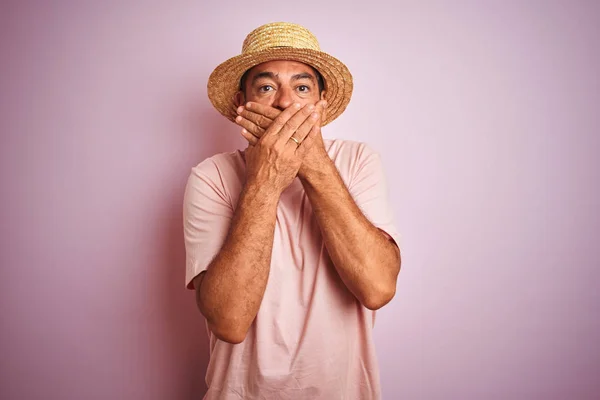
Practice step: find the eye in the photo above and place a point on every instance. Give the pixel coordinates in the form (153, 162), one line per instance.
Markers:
(265, 88)
(303, 88)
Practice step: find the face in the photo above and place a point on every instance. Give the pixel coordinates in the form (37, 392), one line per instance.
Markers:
(280, 84)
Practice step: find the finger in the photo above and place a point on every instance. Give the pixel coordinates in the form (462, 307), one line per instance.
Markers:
(249, 137)
(321, 106)
(308, 142)
(249, 126)
(322, 109)
(255, 118)
(263, 109)
(281, 120)
(304, 129)
(292, 125)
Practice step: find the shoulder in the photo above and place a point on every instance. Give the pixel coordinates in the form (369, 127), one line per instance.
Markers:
(338, 148)
(219, 163)
(350, 157)
(219, 175)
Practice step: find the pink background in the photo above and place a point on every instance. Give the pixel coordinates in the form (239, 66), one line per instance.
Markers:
(487, 116)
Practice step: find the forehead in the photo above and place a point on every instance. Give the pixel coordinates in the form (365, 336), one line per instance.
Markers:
(282, 68)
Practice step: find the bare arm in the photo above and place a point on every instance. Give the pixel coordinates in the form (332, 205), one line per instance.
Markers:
(366, 260)
(229, 293)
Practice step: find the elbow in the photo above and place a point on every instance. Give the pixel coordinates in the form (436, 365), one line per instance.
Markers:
(232, 336)
(378, 299)
(230, 330)
(382, 292)
(227, 329)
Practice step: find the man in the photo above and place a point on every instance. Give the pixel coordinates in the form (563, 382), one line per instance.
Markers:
(290, 244)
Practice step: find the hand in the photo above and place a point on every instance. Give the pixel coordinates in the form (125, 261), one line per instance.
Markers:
(274, 159)
(256, 118)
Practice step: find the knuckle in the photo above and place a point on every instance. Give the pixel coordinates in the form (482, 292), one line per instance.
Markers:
(265, 141)
(278, 124)
(264, 122)
(252, 119)
(283, 118)
(291, 124)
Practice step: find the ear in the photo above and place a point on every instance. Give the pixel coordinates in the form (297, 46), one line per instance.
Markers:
(239, 99)
(323, 95)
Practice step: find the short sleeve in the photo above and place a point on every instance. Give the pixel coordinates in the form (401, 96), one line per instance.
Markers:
(368, 187)
(207, 214)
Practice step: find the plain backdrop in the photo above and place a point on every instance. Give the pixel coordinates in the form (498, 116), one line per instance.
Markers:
(487, 118)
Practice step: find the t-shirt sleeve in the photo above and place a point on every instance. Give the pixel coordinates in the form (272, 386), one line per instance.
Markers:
(207, 214)
(368, 187)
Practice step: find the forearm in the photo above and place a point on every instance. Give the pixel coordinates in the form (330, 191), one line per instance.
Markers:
(233, 286)
(366, 260)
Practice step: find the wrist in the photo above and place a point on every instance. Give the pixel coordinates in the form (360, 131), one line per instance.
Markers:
(316, 169)
(262, 193)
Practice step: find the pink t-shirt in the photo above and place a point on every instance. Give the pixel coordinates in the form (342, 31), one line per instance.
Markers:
(311, 338)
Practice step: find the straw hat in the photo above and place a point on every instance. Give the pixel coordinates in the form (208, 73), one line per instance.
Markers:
(280, 41)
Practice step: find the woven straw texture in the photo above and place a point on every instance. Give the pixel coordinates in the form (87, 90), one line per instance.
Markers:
(280, 41)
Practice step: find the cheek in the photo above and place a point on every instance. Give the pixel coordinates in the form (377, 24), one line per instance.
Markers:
(303, 99)
(313, 98)
(266, 100)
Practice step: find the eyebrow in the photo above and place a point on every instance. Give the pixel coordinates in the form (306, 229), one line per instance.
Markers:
(304, 75)
(264, 74)
(271, 75)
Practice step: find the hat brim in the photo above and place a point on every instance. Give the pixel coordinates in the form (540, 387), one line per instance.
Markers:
(223, 83)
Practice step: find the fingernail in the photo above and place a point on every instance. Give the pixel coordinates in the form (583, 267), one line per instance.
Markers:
(238, 118)
(296, 105)
(248, 105)
(311, 107)
(240, 109)
(244, 131)
(314, 115)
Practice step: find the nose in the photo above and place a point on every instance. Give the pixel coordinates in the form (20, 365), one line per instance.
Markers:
(284, 98)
